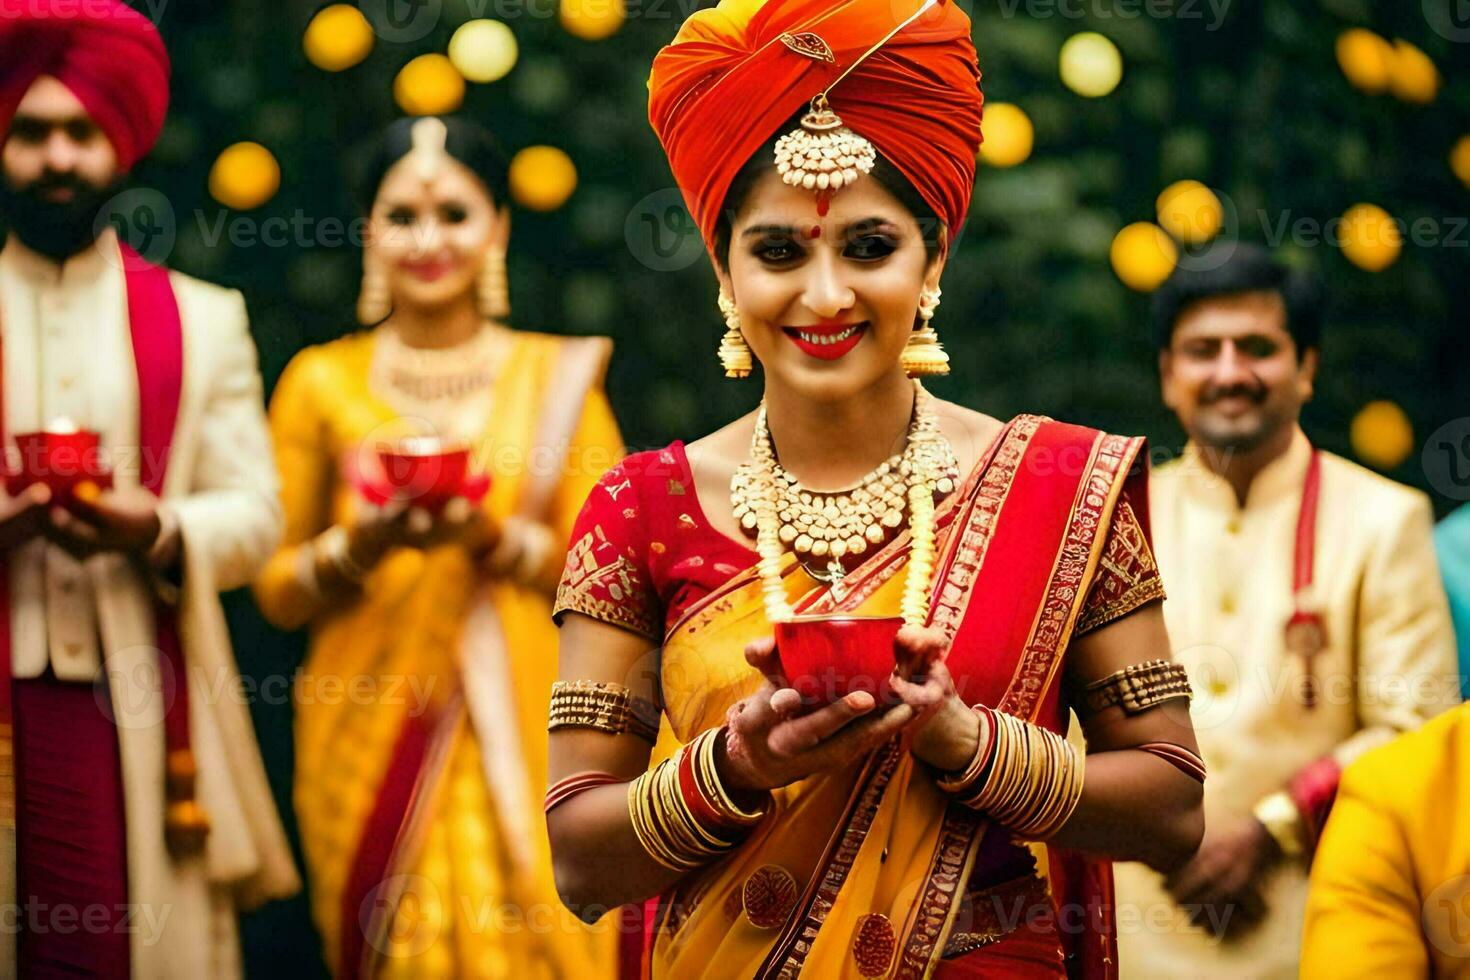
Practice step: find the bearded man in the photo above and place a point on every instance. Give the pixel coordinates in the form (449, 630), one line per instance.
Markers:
(135, 817)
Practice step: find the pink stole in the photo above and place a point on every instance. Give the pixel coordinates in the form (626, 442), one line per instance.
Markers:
(158, 353)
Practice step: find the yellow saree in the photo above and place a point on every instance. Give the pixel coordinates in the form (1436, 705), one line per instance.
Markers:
(421, 708)
(872, 872)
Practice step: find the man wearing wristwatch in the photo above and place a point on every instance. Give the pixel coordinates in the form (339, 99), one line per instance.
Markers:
(1304, 600)
(135, 816)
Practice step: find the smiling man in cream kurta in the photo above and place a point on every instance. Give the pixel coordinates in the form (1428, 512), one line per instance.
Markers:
(92, 882)
(1238, 357)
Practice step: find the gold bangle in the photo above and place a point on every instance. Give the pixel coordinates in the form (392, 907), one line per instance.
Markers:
(1035, 781)
(603, 706)
(707, 777)
(664, 824)
(332, 547)
(1137, 688)
(1278, 813)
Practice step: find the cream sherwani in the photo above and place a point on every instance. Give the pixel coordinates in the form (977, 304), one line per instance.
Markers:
(1389, 666)
(68, 352)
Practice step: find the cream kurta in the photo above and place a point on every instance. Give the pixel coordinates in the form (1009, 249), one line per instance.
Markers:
(68, 351)
(1388, 667)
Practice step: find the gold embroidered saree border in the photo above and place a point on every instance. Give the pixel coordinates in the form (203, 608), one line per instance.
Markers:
(1077, 558)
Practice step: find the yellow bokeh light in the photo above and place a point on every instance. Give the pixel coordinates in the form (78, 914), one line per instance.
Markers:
(338, 37)
(1370, 238)
(592, 20)
(542, 178)
(1460, 160)
(1190, 212)
(1413, 78)
(483, 50)
(1091, 64)
(1382, 435)
(429, 85)
(244, 176)
(1143, 256)
(1365, 59)
(1009, 135)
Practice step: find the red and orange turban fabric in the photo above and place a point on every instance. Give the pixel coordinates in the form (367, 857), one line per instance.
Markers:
(735, 74)
(108, 54)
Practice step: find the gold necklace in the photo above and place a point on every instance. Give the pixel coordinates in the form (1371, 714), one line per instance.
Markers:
(827, 526)
(449, 387)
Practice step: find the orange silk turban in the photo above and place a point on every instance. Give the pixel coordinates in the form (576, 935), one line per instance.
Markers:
(735, 74)
(108, 54)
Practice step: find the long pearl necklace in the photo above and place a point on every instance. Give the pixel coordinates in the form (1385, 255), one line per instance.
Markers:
(827, 526)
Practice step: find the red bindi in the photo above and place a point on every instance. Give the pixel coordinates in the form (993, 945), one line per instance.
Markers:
(815, 232)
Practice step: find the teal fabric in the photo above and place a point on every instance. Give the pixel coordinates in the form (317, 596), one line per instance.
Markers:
(1452, 543)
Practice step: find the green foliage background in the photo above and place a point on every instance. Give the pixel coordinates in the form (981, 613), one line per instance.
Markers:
(1254, 105)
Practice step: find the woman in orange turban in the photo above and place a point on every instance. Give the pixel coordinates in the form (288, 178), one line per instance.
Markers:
(855, 621)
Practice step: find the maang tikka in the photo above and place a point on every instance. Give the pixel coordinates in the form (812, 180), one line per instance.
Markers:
(824, 155)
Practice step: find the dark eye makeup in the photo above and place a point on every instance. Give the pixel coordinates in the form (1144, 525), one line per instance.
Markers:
(870, 240)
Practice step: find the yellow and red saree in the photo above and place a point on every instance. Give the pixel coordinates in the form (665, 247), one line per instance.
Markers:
(872, 872)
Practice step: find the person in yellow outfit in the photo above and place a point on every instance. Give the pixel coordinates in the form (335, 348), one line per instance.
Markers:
(1304, 600)
(1390, 890)
(421, 708)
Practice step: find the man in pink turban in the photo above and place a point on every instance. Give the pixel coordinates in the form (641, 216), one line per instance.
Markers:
(135, 816)
(96, 70)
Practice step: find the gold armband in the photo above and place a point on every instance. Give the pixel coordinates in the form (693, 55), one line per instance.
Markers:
(604, 707)
(1137, 688)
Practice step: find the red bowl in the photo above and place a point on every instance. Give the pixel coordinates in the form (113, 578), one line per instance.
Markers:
(827, 657)
(61, 460)
(423, 472)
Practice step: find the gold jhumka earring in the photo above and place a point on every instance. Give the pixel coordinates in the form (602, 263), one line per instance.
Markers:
(375, 301)
(492, 288)
(734, 352)
(923, 356)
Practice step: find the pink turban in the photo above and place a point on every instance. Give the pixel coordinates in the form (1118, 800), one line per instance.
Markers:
(108, 54)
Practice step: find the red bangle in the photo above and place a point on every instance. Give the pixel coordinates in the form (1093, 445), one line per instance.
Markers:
(565, 789)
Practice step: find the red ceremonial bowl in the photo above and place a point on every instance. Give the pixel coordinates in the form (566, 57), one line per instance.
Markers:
(826, 657)
(61, 460)
(424, 471)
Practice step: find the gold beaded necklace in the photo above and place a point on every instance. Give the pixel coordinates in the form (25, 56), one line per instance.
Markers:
(823, 526)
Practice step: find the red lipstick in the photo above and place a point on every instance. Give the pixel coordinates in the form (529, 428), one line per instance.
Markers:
(429, 270)
(829, 340)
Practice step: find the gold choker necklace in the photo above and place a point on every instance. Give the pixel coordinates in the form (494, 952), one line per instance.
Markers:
(823, 527)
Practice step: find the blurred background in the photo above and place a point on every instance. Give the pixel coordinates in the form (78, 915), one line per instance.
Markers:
(1122, 136)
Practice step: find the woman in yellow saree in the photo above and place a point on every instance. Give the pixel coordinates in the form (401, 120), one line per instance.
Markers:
(419, 709)
(857, 835)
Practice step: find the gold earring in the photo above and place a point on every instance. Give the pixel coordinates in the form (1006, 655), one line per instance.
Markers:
(734, 352)
(375, 301)
(493, 286)
(924, 356)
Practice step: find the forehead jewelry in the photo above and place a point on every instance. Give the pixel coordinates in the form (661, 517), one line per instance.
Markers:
(823, 155)
(428, 155)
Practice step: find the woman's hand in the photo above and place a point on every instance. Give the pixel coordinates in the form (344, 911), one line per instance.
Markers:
(458, 522)
(946, 731)
(770, 743)
(377, 530)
